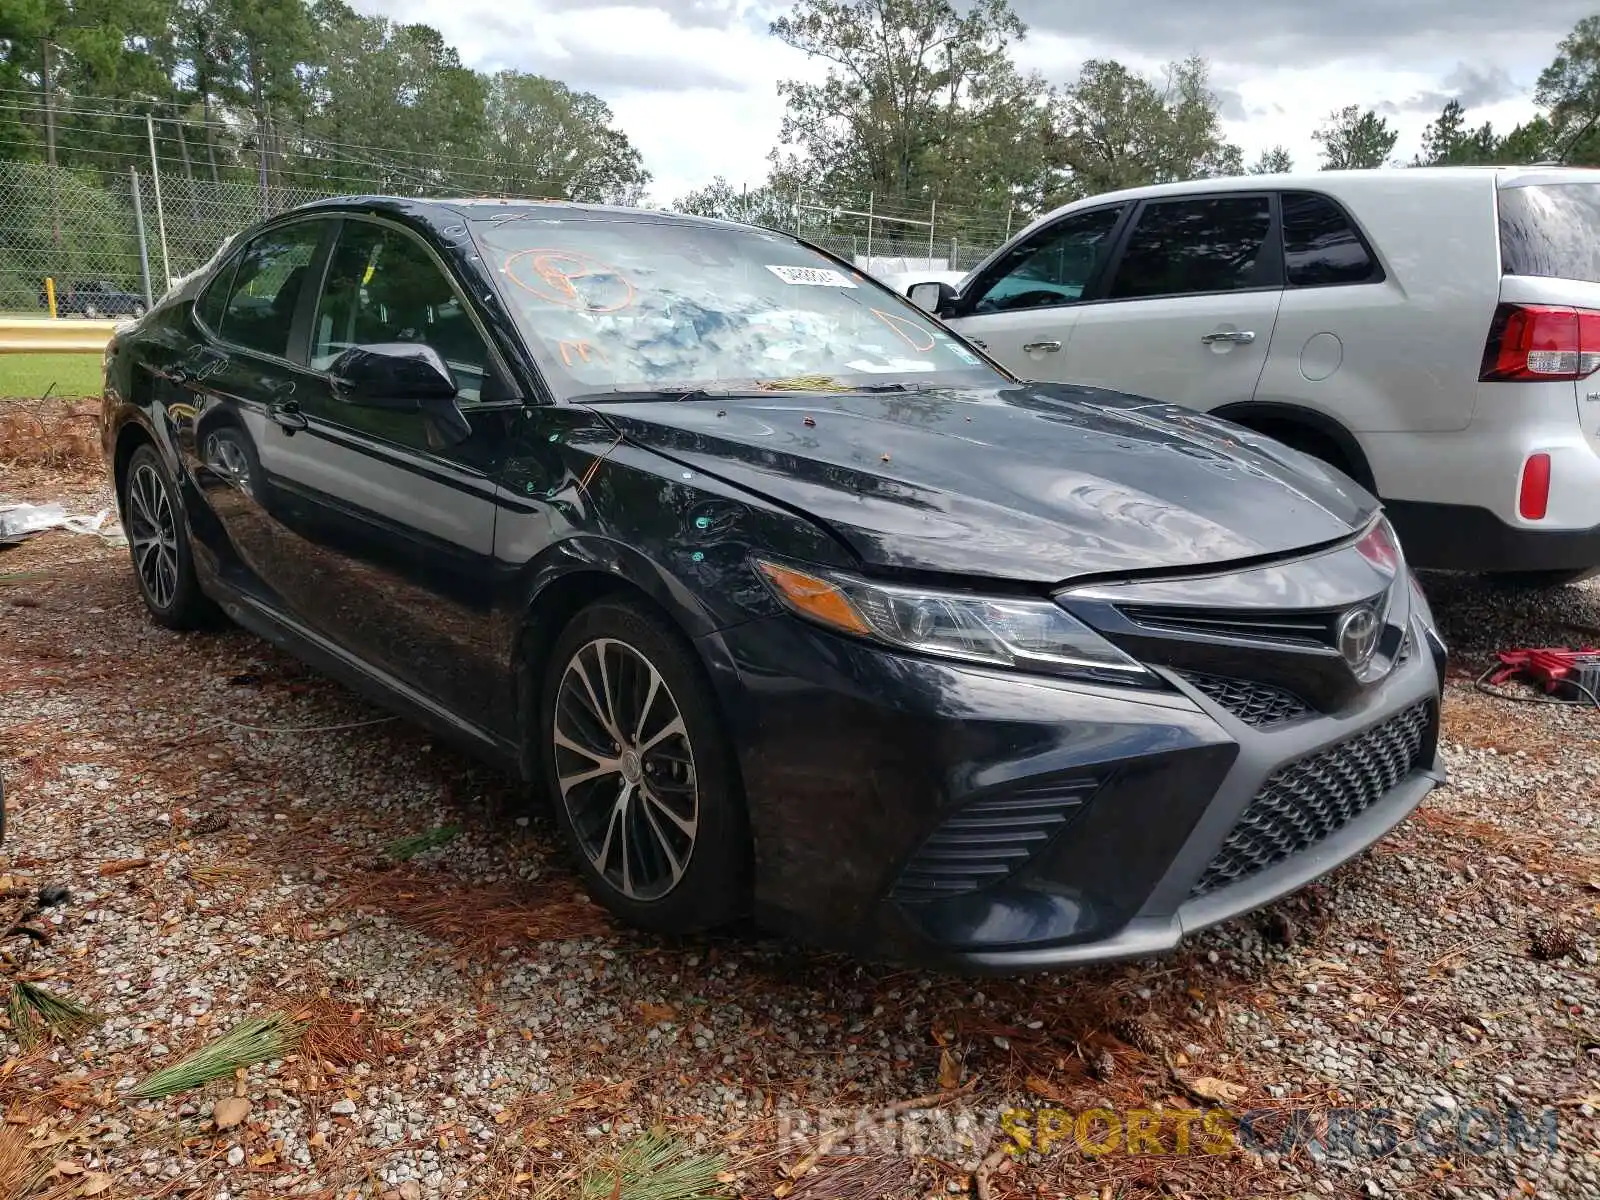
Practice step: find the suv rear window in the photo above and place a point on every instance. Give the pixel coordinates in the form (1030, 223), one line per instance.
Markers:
(1321, 246)
(1552, 230)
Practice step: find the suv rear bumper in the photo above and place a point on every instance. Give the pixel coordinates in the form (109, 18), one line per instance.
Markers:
(1464, 537)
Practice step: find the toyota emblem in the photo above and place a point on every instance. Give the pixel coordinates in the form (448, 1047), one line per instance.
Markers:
(1357, 635)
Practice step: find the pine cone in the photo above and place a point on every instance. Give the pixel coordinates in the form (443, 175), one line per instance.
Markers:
(1551, 942)
(210, 822)
(1138, 1032)
(1103, 1066)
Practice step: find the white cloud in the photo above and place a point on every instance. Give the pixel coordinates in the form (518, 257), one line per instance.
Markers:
(697, 93)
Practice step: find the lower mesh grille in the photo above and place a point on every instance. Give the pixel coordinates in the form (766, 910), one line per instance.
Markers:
(1258, 704)
(1304, 802)
(990, 839)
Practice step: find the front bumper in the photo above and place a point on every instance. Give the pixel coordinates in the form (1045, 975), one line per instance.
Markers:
(990, 822)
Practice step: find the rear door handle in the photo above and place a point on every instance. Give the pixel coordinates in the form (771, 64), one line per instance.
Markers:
(1240, 337)
(1041, 347)
(288, 415)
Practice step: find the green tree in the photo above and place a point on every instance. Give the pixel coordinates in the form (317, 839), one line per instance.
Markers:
(1447, 141)
(1119, 129)
(1569, 92)
(753, 206)
(1532, 141)
(392, 102)
(1273, 161)
(1353, 139)
(544, 137)
(921, 102)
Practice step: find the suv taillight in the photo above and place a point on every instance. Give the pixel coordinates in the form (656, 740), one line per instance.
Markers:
(1543, 342)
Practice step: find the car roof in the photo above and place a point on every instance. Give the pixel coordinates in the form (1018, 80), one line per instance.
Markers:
(434, 210)
(1340, 183)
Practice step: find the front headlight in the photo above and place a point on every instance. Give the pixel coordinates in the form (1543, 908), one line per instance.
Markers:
(1028, 635)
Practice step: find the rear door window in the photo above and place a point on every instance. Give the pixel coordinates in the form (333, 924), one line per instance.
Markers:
(1321, 245)
(266, 287)
(1551, 230)
(1194, 245)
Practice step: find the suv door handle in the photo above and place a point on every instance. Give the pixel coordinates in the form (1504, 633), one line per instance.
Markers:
(1241, 337)
(1041, 347)
(288, 415)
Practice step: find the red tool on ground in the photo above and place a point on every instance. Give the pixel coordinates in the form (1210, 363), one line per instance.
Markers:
(1572, 675)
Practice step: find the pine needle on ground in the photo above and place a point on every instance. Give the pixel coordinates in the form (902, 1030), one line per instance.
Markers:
(247, 1043)
(405, 848)
(35, 1012)
(654, 1167)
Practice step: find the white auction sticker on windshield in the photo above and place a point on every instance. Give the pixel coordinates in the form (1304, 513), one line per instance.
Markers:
(812, 276)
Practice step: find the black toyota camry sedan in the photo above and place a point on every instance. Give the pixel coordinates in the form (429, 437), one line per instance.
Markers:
(793, 602)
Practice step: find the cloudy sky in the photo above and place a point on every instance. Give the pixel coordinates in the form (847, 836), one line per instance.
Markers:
(694, 82)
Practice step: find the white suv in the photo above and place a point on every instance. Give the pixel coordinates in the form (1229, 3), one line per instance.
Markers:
(1432, 332)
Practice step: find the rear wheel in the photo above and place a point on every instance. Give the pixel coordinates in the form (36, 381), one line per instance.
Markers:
(91, 311)
(642, 773)
(158, 542)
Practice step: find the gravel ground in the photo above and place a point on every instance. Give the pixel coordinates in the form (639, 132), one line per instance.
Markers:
(226, 823)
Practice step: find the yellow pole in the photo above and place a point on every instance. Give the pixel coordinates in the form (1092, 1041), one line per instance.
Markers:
(50, 294)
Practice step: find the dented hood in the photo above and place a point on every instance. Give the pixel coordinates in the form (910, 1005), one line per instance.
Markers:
(1033, 482)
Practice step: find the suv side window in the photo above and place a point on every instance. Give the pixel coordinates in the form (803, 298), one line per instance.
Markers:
(1204, 244)
(266, 288)
(1321, 246)
(384, 286)
(1053, 266)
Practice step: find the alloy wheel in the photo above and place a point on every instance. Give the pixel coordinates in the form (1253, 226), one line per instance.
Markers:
(153, 534)
(625, 769)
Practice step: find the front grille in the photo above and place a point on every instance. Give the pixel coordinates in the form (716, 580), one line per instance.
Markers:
(990, 839)
(1304, 802)
(1290, 627)
(1257, 704)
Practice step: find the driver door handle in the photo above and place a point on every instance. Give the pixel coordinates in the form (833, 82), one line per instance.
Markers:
(1041, 347)
(1240, 337)
(287, 414)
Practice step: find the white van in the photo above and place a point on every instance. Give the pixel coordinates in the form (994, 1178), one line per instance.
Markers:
(1432, 332)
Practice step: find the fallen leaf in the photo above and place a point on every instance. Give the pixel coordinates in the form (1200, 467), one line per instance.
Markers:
(95, 1184)
(1043, 1087)
(118, 865)
(782, 1190)
(949, 1071)
(657, 1014)
(63, 1167)
(262, 1159)
(727, 1177)
(501, 1117)
(1218, 1090)
(230, 1111)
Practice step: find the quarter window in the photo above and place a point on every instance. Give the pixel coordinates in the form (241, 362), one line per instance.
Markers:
(1320, 246)
(1181, 247)
(266, 288)
(383, 286)
(1052, 267)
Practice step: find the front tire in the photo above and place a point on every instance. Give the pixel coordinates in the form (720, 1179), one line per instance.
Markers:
(641, 773)
(158, 543)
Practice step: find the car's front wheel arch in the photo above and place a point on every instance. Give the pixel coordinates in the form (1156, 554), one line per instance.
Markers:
(1312, 433)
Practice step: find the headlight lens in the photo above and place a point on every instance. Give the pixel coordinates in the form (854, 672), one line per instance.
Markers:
(1030, 635)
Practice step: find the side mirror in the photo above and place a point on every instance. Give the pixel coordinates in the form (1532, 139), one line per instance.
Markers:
(935, 298)
(401, 376)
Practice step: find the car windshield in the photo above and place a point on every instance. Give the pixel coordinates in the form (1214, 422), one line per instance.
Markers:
(628, 305)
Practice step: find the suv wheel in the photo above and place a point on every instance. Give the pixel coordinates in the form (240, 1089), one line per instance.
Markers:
(91, 311)
(641, 772)
(158, 542)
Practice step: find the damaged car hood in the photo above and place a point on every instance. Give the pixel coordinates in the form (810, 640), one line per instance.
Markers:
(1032, 482)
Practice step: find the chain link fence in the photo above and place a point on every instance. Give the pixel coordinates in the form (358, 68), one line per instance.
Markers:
(132, 236)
